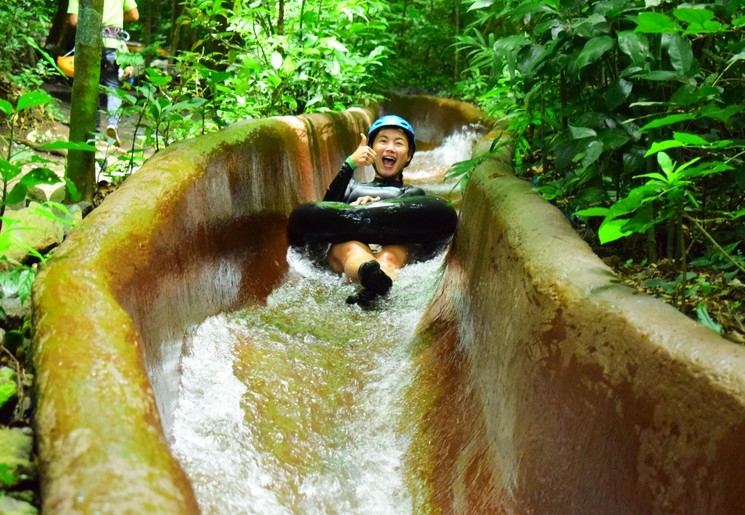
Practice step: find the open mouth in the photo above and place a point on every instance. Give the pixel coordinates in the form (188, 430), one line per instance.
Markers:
(389, 161)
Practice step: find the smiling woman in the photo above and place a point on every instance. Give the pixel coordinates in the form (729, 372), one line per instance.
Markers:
(389, 148)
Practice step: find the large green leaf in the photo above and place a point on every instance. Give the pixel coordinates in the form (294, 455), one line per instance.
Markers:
(591, 52)
(40, 176)
(667, 120)
(700, 21)
(617, 94)
(612, 230)
(681, 54)
(33, 98)
(581, 132)
(720, 113)
(635, 45)
(69, 145)
(656, 23)
(6, 107)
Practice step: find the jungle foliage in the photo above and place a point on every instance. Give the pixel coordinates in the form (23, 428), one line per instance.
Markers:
(626, 114)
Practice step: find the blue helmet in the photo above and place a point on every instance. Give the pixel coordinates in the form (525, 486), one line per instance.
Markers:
(391, 120)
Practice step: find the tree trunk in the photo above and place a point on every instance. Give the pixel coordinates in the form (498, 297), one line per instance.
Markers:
(182, 35)
(80, 168)
(281, 18)
(61, 36)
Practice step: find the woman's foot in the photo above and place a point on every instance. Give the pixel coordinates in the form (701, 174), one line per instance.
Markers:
(373, 278)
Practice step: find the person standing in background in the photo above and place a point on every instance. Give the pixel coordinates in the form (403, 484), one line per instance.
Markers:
(115, 13)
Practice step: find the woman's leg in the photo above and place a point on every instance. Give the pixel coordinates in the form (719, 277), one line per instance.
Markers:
(348, 256)
(392, 257)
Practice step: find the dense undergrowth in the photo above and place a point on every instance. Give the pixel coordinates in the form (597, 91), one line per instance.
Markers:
(628, 115)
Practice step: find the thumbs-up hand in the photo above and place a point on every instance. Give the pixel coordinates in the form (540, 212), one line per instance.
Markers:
(364, 155)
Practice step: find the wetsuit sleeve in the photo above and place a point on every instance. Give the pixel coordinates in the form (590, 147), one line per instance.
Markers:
(338, 187)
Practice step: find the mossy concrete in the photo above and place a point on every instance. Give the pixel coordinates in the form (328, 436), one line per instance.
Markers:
(572, 392)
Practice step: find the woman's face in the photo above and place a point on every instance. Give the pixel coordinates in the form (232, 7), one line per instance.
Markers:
(391, 152)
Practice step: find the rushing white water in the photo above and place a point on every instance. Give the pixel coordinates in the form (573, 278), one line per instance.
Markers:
(296, 406)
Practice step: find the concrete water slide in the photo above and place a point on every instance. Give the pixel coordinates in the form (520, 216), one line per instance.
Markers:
(550, 387)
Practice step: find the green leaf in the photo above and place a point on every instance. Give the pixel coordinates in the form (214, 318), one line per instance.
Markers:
(6, 107)
(656, 23)
(659, 75)
(634, 45)
(688, 95)
(16, 195)
(665, 162)
(667, 120)
(690, 139)
(659, 146)
(702, 314)
(9, 170)
(617, 93)
(736, 57)
(591, 52)
(33, 98)
(592, 153)
(720, 113)
(612, 230)
(69, 145)
(613, 138)
(581, 132)
(593, 211)
(700, 21)
(480, 4)
(681, 55)
(39, 176)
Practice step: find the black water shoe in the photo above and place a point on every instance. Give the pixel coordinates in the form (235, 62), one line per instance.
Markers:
(364, 298)
(373, 278)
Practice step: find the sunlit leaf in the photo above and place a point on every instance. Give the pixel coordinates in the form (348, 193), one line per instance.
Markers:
(34, 98)
(635, 45)
(612, 231)
(690, 139)
(656, 23)
(593, 211)
(6, 107)
(68, 145)
(700, 21)
(720, 113)
(480, 4)
(582, 132)
(659, 146)
(667, 120)
(40, 176)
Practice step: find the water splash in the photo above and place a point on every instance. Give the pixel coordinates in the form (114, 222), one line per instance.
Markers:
(297, 406)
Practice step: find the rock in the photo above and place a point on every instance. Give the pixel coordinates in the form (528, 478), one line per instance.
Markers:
(29, 228)
(35, 194)
(14, 310)
(58, 195)
(11, 506)
(15, 458)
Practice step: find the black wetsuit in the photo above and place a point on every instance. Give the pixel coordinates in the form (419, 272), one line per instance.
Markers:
(345, 189)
